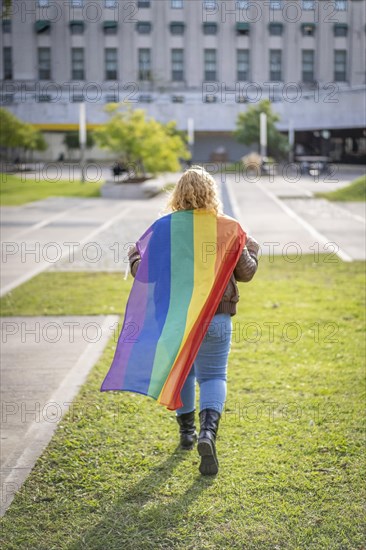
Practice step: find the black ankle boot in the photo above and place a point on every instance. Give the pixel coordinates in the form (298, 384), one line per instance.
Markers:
(209, 419)
(187, 430)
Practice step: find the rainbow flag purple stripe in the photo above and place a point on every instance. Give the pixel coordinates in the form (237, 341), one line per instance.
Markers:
(187, 258)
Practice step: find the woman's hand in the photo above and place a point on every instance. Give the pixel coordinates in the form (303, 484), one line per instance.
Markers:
(248, 262)
(252, 246)
(134, 258)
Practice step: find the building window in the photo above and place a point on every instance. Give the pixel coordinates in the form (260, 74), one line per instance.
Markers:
(275, 4)
(209, 28)
(275, 29)
(77, 27)
(42, 27)
(77, 98)
(308, 65)
(176, 27)
(308, 5)
(44, 98)
(177, 65)
(6, 25)
(7, 99)
(340, 29)
(145, 98)
(242, 65)
(210, 65)
(111, 4)
(110, 56)
(243, 29)
(112, 97)
(144, 64)
(8, 64)
(275, 65)
(209, 4)
(44, 63)
(110, 27)
(242, 4)
(143, 3)
(77, 64)
(77, 3)
(143, 27)
(176, 4)
(308, 29)
(341, 5)
(340, 65)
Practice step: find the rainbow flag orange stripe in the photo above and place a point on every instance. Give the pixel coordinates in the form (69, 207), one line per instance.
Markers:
(187, 258)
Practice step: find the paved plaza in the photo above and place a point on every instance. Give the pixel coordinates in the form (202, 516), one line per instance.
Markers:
(285, 217)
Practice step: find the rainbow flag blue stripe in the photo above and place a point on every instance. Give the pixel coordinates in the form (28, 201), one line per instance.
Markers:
(187, 258)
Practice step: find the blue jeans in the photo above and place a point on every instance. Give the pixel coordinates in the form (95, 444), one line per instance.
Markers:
(210, 368)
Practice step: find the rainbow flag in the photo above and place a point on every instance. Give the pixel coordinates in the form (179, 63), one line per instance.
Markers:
(187, 258)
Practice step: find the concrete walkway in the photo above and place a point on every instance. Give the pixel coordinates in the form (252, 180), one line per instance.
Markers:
(44, 362)
(39, 234)
(285, 219)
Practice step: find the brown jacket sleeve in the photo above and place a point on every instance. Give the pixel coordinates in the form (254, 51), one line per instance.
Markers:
(134, 258)
(248, 262)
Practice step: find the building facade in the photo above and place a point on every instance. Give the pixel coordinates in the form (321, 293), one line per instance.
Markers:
(204, 60)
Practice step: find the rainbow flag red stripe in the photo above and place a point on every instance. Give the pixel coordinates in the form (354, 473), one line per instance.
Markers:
(187, 258)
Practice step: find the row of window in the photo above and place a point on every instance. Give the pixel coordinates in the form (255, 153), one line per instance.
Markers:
(145, 73)
(178, 28)
(113, 4)
(307, 5)
(340, 5)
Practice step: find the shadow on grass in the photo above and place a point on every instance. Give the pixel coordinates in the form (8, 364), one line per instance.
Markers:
(143, 518)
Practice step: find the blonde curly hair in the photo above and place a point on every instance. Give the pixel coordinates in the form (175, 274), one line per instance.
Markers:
(195, 189)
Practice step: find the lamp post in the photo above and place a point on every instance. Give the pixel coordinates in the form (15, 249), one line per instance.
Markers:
(291, 140)
(190, 130)
(82, 139)
(263, 134)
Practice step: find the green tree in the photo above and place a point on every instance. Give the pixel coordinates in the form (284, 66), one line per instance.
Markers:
(18, 134)
(142, 142)
(248, 132)
(31, 139)
(10, 135)
(39, 142)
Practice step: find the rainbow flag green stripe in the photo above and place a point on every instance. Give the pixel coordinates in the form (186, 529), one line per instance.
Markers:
(181, 287)
(187, 258)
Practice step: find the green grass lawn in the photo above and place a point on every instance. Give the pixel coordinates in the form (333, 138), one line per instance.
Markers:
(355, 191)
(68, 293)
(14, 191)
(290, 442)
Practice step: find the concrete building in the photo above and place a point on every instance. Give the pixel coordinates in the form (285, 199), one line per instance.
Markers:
(201, 59)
